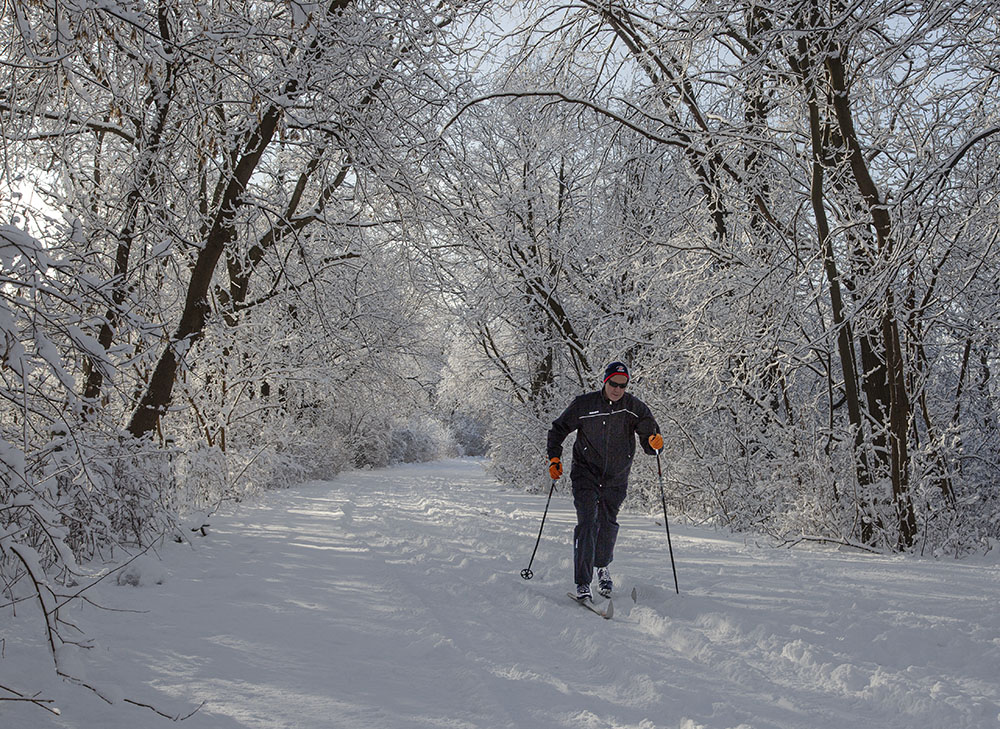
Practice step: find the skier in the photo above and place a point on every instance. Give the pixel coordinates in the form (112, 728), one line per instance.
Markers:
(606, 423)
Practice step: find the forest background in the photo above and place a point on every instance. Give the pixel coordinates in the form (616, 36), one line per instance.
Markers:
(248, 243)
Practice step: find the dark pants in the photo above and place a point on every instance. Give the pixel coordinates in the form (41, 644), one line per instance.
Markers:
(596, 529)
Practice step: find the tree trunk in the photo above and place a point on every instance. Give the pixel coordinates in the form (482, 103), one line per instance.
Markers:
(94, 373)
(897, 424)
(842, 326)
(220, 236)
(160, 388)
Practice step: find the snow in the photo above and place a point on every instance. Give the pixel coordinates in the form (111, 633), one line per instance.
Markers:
(392, 598)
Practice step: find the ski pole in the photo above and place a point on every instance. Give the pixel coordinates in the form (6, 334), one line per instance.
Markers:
(663, 500)
(526, 573)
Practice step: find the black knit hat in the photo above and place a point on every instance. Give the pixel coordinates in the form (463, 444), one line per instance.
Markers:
(615, 368)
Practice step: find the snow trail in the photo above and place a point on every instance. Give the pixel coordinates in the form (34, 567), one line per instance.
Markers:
(392, 598)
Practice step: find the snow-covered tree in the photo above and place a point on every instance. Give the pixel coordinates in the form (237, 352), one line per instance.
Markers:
(818, 271)
(204, 282)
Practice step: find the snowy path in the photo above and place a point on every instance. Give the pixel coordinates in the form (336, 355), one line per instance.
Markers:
(391, 599)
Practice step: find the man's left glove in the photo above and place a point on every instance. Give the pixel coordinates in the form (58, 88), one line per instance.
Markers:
(656, 441)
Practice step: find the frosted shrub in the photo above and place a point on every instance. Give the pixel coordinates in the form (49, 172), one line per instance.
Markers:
(316, 451)
(416, 440)
(469, 434)
(202, 475)
(957, 498)
(419, 440)
(517, 448)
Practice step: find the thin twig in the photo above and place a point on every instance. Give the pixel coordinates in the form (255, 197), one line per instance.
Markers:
(41, 703)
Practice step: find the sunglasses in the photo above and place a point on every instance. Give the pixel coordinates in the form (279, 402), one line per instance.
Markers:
(619, 385)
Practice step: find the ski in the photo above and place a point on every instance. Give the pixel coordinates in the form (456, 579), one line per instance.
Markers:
(606, 614)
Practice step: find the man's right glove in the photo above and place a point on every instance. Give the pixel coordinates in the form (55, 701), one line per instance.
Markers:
(555, 468)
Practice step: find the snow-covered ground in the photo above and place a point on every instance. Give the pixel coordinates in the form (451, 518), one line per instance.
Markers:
(392, 599)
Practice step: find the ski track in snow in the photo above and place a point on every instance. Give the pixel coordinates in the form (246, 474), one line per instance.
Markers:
(392, 599)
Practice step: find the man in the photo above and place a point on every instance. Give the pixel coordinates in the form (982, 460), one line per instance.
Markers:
(606, 423)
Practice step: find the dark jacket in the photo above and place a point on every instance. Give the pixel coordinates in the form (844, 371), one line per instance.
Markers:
(605, 436)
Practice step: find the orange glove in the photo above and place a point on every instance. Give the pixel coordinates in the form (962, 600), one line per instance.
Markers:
(555, 468)
(656, 441)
